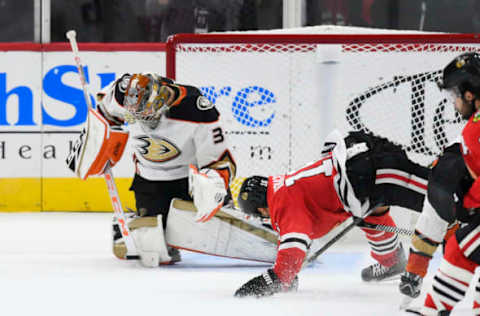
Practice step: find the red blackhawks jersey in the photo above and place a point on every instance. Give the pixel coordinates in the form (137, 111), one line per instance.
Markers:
(303, 205)
(190, 133)
(470, 143)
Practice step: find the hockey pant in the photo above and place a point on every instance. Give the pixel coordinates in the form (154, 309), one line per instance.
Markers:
(457, 268)
(385, 175)
(153, 197)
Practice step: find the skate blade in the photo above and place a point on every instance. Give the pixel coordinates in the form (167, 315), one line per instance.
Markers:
(391, 278)
(413, 311)
(405, 303)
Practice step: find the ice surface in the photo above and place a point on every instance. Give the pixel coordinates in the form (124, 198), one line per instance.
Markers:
(62, 264)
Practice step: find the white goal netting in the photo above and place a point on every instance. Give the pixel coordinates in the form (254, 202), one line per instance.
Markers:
(280, 95)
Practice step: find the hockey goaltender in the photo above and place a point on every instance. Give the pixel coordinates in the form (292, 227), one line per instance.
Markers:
(180, 152)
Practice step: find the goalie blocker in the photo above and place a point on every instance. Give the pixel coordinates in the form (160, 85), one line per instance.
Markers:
(97, 146)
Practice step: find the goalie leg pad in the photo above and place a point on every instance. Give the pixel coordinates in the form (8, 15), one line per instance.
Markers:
(148, 234)
(225, 237)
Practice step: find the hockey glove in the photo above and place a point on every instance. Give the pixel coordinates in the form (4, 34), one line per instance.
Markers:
(265, 285)
(208, 190)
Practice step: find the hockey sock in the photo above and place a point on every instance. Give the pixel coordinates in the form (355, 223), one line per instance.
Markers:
(451, 280)
(383, 245)
(421, 252)
(476, 299)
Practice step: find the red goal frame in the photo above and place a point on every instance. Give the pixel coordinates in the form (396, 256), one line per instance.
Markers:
(178, 39)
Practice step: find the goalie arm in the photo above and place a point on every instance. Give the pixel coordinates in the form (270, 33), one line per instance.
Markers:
(209, 185)
(102, 139)
(110, 101)
(208, 190)
(97, 146)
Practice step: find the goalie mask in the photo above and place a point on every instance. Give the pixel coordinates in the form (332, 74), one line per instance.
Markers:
(460, 75)
(252, 195)
(145, 99)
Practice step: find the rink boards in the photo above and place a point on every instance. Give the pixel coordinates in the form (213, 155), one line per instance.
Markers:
(41, 115)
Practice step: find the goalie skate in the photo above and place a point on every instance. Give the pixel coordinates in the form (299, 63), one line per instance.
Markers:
(376, 272)
(174, 253)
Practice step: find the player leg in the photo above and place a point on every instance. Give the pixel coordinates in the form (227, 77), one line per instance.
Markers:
(457, 268)
(385, 249)
(436, 223)
(398, 182)
(385, 176)
(152, 200)
(476, 299)
(431, 229)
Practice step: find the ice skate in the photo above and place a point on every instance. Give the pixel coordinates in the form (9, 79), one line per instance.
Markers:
(377, 272)
(410, 286)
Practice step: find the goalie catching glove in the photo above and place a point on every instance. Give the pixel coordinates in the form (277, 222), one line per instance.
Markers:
(208, 190)
(266, 284)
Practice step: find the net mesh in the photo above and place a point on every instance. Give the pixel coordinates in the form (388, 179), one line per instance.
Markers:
(278, 101)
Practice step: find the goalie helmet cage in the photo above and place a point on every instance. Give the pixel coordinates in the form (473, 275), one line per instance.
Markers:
(279, 95)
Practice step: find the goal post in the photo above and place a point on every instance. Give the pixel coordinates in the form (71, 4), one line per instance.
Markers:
(280, 94)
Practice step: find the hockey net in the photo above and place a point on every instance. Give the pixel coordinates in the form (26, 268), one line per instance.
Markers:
(280, 95)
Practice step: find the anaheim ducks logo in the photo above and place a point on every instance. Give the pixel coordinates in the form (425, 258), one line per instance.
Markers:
(158, 149)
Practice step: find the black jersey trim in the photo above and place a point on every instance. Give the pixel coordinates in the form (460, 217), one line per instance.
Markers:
(294, 239)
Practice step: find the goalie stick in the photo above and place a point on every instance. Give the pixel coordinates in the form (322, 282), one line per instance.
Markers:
(108, 175)
(235, 218)
(262, 223)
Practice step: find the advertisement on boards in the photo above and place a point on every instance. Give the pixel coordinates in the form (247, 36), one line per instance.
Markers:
(42, 110)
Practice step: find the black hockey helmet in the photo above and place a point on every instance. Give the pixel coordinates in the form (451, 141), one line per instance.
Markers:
(253, 194)
(464, 71)
(460, 75)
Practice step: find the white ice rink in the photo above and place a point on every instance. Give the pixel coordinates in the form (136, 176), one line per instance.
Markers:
(61, 264)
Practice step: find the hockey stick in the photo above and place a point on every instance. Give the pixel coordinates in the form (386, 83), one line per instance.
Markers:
(355, 222)
(333, 240)
(108, 175)
(386, 228)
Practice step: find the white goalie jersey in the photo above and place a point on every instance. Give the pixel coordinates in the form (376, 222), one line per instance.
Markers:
(188, 133)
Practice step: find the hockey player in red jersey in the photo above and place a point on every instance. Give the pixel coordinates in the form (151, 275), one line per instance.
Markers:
(462, 252)
(171, 127)
(356, 174)
(449, 180)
